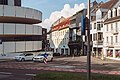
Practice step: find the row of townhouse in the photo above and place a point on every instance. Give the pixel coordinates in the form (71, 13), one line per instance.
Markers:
(104, 26)
(66, 37)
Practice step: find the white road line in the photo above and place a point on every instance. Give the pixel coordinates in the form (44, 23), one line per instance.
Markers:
(5, 73)
(30, 74)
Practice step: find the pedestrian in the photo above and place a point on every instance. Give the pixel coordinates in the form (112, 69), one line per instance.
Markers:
(45, 58)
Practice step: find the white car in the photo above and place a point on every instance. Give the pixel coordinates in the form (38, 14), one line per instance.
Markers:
(40, 57)
(24, 57)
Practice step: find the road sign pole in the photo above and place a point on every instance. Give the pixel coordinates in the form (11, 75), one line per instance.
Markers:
(88, 47)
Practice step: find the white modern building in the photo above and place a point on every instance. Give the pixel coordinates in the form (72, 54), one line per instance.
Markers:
(17, 32)
(111, 33)
(59, 35)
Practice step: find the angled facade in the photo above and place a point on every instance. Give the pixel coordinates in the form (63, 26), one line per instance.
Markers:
(76, 43)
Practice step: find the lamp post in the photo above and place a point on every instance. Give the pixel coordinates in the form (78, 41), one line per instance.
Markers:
(88, 48)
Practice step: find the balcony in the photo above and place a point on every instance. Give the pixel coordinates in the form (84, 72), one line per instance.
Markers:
(115, 32)
(109, 44)
(75, 42)
(99, 42)
(91, 43)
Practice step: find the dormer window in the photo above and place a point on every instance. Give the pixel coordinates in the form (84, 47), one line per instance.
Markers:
(109, 14)
(114, 12)
(118, 11)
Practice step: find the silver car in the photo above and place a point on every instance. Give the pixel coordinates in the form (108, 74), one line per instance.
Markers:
(24, 57)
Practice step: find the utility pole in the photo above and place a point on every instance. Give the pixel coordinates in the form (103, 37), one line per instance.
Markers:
(88, 47)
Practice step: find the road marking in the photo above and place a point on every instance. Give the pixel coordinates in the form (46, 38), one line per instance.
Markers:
(30, 74)
(5, 73)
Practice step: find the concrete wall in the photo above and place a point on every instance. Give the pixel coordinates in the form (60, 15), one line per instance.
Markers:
(15, 11)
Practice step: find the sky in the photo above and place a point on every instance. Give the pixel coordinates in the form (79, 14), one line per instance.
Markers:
(52, 10)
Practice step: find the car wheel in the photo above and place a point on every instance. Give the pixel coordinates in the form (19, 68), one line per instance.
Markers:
(22, 59)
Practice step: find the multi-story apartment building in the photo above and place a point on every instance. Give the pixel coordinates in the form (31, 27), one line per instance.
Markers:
(76, 42)
(98, 16)
(17, 32)
(59, 35)
(111, 35)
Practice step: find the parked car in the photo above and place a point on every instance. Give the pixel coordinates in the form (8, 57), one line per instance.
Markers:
(41, 57)
(24, 57)
(56, 54)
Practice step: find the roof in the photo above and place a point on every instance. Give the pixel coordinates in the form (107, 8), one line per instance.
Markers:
(109, 4)
(61, 25)
(113, 19)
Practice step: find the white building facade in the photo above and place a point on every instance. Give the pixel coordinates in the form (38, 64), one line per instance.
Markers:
(98, 16)
(111, 34)
(17, 32)
(59, 35)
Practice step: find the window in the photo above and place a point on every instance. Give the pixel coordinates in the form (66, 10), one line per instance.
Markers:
(111, 39)
(17, 2)
(111, 27)
(111, 14)
(115, 12)
(119, 13)
(116, 39)
(107, 27)
(90, 26)
(98, 26)
(116, 26)
(100, 36)
(107, 40)
(93, 37)
(94, 25)
(4, 2)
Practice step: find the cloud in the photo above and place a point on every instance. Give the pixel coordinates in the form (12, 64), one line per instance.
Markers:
(67, 11)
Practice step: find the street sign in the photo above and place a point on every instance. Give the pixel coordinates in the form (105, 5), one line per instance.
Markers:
(83, 25)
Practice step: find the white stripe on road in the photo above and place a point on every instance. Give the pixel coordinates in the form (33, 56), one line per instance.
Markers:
(30, 74)
(5, 73)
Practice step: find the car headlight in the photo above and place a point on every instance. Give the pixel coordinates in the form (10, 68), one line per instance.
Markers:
(19, 57)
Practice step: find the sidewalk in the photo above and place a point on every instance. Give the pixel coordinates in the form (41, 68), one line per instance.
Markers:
(96, 63)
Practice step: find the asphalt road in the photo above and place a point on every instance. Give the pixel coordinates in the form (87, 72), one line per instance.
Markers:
(17, 74)
(12, 70)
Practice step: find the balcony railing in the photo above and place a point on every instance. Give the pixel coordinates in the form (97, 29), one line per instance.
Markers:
(99, 42)
(115, 32)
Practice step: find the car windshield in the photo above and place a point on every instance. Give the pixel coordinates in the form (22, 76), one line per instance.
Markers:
(22, 55)
(42, 54)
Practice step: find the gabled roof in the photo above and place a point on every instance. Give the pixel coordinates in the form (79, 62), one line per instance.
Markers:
(109, 4)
